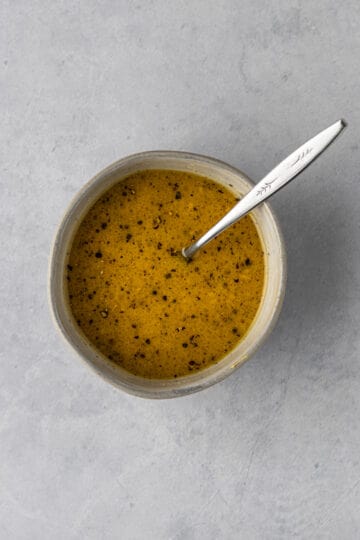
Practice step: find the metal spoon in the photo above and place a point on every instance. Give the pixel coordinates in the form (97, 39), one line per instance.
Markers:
(271, 183)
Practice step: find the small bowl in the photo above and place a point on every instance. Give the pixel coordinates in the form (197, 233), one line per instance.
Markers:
(274, 285)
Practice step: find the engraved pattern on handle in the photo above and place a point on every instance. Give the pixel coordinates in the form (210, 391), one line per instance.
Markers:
(301, 156)
(298, 161)
(263, 189)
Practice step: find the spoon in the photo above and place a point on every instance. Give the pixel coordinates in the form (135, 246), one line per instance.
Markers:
(271, 183)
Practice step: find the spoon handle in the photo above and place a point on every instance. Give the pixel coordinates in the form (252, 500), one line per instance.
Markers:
(271, 183)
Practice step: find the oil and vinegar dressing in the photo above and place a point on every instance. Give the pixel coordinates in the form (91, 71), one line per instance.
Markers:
(134, 295)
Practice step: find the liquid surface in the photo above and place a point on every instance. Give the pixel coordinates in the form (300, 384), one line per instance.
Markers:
(134, 295)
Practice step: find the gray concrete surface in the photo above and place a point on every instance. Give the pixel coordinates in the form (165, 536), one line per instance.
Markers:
(272, 452)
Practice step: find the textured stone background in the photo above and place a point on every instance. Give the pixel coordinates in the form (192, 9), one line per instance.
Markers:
(273, 452)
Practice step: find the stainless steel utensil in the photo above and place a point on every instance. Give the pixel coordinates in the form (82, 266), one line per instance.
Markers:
(271, 183)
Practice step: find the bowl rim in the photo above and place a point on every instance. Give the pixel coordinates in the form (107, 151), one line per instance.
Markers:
(183, 389)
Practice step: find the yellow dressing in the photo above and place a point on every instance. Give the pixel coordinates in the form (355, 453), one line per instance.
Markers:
(136, 298)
